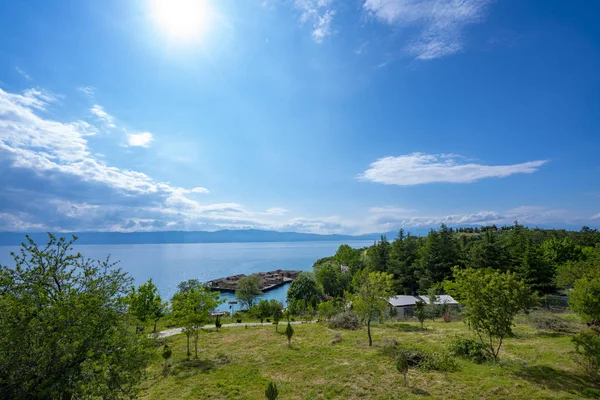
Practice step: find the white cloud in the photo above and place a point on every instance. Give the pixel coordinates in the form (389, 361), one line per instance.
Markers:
(597, 216)
(23, 73)
(103, 116)
(319, 13)
(421, 168)
(87, 90)
(199, 190)
(142, 139)
(441, 22)
(56, 182)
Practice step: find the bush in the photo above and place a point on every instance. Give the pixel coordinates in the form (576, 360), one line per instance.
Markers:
(239, 320)
(268, 319)
(424, 360)
(548, 321)
(345, 320)
(587, 352)
(470, 349)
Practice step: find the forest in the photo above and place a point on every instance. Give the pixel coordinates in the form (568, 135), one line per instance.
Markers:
(548, 260)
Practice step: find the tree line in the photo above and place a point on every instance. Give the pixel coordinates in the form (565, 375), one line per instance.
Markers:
(547, 260)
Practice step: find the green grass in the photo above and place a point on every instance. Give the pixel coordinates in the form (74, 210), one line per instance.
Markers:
(238, 363)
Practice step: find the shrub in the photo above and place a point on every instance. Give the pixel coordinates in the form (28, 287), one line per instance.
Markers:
(587, 352)
(268, 319)
(239, 320)
(470, 349)
(345, 320)
(402, 365)
(271, 393)
(424, 360)
(548, 321)
(446, 317)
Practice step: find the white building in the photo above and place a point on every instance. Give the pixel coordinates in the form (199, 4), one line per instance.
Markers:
(403, 304)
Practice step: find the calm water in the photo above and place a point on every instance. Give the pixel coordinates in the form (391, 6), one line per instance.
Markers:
(169, 264)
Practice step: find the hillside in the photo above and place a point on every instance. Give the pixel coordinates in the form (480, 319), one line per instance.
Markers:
(238, 363)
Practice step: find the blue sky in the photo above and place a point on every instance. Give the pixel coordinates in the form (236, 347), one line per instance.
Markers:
(323, 116)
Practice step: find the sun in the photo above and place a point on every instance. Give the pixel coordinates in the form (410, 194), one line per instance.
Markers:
(182, 20)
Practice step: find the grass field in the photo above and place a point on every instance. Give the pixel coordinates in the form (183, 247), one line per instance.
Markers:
(238, 363)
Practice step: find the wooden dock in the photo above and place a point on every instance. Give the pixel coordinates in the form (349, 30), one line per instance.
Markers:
(269, 280)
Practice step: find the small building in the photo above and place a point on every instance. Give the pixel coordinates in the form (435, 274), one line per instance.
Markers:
(404, 305)
(441, 299)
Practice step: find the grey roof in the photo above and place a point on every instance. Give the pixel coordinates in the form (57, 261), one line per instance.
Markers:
(399, 301)
(441, 299)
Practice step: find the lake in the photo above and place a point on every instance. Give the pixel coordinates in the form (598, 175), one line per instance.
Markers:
(169, 264)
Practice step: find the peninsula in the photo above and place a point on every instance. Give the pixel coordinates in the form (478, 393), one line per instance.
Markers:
(268, 280)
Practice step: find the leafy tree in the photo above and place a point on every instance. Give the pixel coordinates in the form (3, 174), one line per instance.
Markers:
(587, 266)
(289, 332)
(145, 303)
(192, 308)
(329, 275)
(304, 287)
(492, 300)
(64, 330)
(585, 299)
(248, 289)
(402, 365)
(587, 349)
(371, 293)
(276, 312)
(186, 286)
(421, 314)
(271, 393)
(263, 310)
(327, 310)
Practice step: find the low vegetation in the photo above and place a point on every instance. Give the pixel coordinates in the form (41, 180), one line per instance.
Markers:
(534, 365)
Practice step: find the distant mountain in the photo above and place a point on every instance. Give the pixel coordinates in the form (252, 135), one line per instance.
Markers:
(224, 236)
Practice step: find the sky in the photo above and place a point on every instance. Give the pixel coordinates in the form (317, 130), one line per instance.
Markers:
(323, 116)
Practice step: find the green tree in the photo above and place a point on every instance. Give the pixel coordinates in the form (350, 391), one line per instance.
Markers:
(378, 255)
(218, 323)
(64, 330)
(192, 308)
(585, 299)
(535, 270)
(276, 312)
(329, 275)
(403, 263)
(492, 299)
(487, 253)
(439, 255)
(289, 332)
(327, 310)
(263, 310)
(146, 304)
(371, 293)
(587, 266)
(271, 393)
(304, 287)
(248, 289)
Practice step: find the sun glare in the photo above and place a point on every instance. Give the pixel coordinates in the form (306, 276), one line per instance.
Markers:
(182, 20)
